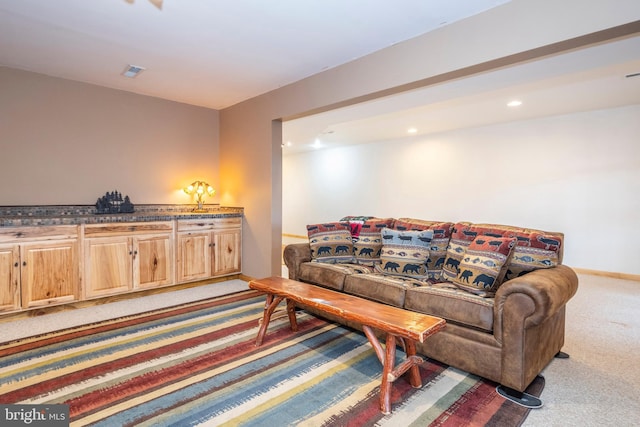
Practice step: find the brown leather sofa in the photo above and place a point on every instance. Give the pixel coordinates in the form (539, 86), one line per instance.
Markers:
(508, 338)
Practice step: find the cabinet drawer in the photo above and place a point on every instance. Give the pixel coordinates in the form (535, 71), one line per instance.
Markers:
(209, 224)
(55, 232)
(93, 230)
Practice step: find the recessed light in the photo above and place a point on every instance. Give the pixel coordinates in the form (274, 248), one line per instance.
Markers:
(412, 130)
(514, 103)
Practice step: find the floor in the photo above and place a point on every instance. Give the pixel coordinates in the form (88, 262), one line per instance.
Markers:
(599, 385)
(69, 318)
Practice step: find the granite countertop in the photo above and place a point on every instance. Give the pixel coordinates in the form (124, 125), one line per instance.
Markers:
(15, 216)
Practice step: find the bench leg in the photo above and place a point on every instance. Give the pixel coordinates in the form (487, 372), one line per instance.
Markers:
(291, 311)
(390, 372)
(414, 370)
(269, 306)
(387, 375)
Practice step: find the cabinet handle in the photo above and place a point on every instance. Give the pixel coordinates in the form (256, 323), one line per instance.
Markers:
(16, 264)
(130, 252)
(24, 263)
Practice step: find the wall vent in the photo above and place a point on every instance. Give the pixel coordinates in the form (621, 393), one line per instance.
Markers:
(132, 70)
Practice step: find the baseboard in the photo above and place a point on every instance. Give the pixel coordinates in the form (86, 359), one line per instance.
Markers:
(246, 278)
(625, 276)
(295, 236)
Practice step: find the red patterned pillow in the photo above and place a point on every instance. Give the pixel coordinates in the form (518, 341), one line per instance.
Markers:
(331, 242)
(368, 244)
(484, 264)
(534, 250)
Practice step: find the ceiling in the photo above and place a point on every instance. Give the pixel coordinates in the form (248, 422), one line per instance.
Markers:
(586, 79)
(209, 53)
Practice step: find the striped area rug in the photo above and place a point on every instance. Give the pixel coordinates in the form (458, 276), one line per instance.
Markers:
(197, 364)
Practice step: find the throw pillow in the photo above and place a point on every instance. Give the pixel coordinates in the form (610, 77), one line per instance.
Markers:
(368, 246)
(534, 250)
(461, 236)
(439, 243)
(483, 265)
(331, 242)
(404, 253)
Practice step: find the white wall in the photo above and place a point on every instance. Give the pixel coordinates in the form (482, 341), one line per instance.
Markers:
(577, 173)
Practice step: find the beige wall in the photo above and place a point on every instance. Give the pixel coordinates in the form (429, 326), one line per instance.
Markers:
(65, 142)
(251, 164)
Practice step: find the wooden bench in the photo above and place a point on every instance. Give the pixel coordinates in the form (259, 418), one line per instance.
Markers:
(404, 326)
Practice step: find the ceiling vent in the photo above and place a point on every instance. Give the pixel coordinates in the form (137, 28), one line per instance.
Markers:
(132, 70)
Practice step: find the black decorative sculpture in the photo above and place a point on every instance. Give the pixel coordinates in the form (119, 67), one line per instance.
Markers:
(113, 203)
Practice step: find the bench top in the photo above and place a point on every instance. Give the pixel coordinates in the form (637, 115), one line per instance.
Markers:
(397, 321)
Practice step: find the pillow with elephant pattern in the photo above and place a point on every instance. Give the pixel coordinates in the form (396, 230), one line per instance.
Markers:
(404, 253)
(484, 264)
(331, 242)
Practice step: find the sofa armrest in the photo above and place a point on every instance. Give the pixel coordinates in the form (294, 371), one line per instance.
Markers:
(536, 297)
(294, 255)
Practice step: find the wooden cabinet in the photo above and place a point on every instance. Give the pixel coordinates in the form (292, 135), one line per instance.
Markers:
(46, 265)
(208, 248)
(125, 257)
(9, 277)
(39, 266)
(227, 251)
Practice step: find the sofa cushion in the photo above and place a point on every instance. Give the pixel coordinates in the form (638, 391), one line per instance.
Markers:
(331, 242)
(439, 243)
(451, 303)
(380, 287)
(404, 253)
(483, 264)
(367, 244)
(329, 275)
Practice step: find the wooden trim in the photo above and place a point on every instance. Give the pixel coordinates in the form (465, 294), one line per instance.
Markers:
(244, 278)
(624, 276)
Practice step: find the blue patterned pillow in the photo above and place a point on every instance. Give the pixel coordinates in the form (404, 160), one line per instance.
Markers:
(404, 253)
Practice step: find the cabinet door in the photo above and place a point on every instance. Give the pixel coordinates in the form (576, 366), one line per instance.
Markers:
(49, 273)
(108, 265)
(227, 252)
(153, 260)
(194, 256)
(9, 278)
